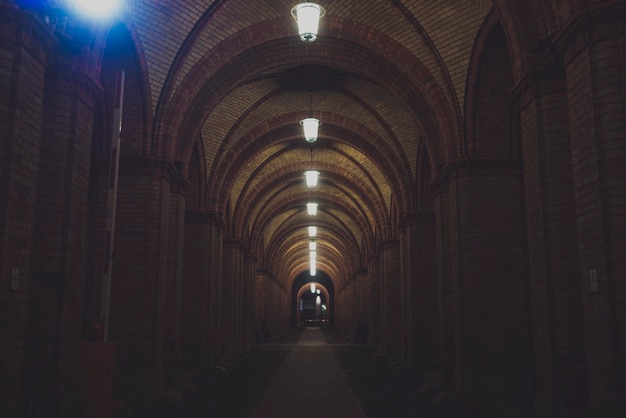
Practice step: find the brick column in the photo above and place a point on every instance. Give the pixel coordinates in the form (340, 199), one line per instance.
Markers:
(230, 313)
(448, 290)
(363, 297)
(248, 303)
(560, 385)
(22, 75)
(488, 257)
(202, 247)
(261, 305)
(375, 302)
(139, 274)
(594, 46)
(173, 292)
(349, 307)
(58, 276)
(417, 241)
(392, 323)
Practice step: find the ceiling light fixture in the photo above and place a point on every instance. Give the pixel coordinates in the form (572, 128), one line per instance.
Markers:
(311, 128)
(310, 125)
(312, 231)
(308, 17)
(312, 287)
(311, 175)
(312, 245)
(311, 208)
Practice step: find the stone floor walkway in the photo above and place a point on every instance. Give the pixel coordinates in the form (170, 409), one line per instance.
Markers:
(309, 384)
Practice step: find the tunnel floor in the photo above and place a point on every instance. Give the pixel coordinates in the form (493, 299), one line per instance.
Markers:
(308, 373)
(310, 383)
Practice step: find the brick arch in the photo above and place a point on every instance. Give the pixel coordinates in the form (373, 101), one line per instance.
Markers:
(412, 83)
(327, 201)
(488, 102)
(424, 178)
(283, 128)
(344, 181)
(525, 24)
(122, 51)
(196, 176)
(335, 263)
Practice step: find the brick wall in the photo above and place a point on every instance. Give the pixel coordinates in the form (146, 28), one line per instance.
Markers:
(22, 82)
(596, 95)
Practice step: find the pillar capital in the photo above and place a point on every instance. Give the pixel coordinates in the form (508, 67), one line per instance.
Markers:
(546, 75)
(388, 244)
(416, 218)
(591, 27)
(482, 167)
(236, 244)
(440, 185)
(204, 217)
(147, 166)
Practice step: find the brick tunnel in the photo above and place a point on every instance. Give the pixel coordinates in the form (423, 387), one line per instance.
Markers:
(462, 252)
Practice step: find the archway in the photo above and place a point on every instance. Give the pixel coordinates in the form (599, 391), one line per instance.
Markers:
(309, 312)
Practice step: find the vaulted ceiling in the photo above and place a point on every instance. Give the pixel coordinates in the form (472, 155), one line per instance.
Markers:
(231, 79)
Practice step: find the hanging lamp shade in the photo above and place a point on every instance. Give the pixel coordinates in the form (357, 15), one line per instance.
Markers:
(312, 231)
(311, 208)
(311, 128)
(308, 17)
(311, 177)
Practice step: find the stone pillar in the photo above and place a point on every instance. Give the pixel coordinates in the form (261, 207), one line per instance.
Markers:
(417, 240)
(392, 323)
(593, 47)
(173, 292)
(448, 291)
(200, 284)
(59, 255)
(248, 303)
(558, 355)
(488, 257)
(363, 296)
(373, 270)
(230, 316)
(22, 76)
(261, 305)
(139, 273)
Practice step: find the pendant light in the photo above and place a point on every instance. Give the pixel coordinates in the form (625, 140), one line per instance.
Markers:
(308, 17)
(310, 125)
(311, 175)
(311, 208)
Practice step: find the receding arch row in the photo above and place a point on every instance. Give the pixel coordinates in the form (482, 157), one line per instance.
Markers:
(258, 197)
(411, 89)
(285, 131)
(295, 240)
(336, 252)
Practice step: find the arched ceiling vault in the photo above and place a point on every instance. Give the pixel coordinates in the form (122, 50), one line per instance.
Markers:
(373, 115)
(386, 78)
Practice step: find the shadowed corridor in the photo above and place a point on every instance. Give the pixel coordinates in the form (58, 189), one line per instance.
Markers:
(189, 187)
(309, 384)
